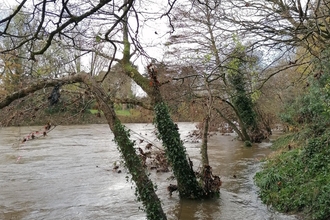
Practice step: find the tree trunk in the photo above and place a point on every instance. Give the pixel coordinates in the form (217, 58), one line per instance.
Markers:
(245, 135)
(188, 186)
(206, 124)
(242, 132)
(205, 157)
(145, 188)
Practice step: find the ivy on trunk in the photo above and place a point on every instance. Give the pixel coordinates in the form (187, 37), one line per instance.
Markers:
(188, 186)
(145, 190)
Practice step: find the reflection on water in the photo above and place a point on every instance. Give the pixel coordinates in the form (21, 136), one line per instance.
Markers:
(68, 175)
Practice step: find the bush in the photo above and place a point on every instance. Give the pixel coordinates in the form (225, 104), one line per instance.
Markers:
(299, 180)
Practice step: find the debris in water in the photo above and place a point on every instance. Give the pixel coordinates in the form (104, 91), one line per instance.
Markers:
(171, 188)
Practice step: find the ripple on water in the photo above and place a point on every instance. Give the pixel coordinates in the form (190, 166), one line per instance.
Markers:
(68, 175)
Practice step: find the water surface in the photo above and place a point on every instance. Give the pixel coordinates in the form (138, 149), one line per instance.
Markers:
(69, 175)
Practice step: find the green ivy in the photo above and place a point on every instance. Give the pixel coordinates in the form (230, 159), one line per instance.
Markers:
(238, 65)
(145, 190)
(176, 153)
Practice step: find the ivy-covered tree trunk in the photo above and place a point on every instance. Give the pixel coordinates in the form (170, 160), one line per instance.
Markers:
(244, 107)
(245, 135)
(188, 186)
(145, 188)
(242, 101)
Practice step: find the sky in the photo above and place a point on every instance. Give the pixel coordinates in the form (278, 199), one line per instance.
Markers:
(152, 34)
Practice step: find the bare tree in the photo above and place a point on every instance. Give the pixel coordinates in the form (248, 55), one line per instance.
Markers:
(59, 22)
(280, 24)
(214, 49)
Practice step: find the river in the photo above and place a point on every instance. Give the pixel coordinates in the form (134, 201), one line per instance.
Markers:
(69, 174)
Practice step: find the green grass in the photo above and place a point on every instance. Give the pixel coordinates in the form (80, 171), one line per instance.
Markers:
(118, 112)
(93, 111)
(123, 112)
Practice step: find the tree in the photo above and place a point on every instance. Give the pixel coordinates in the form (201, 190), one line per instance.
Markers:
(278, 29)
(69, 16)
(228, 70)
(280, 25)
(238, 70)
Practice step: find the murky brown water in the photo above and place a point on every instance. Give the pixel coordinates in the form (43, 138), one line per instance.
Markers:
(68, 175)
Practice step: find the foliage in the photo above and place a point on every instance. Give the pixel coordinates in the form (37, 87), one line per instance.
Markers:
(16, 70)
(247, 144)
(322, 74)
(310, 108)
(284, 140)
(297, 179)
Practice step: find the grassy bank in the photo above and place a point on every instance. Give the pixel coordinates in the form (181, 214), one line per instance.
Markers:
(127, 116)
(296, 178)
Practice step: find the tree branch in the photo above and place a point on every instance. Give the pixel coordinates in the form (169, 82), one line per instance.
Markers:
(73, 19)
(40, 85)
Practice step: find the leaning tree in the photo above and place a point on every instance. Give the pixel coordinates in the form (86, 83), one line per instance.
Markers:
(65, 23)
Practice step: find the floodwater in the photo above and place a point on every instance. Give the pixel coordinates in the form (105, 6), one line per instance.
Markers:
(69, 175)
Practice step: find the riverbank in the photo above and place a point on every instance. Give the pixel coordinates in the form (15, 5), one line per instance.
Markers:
(68, 118)
(296, 177)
